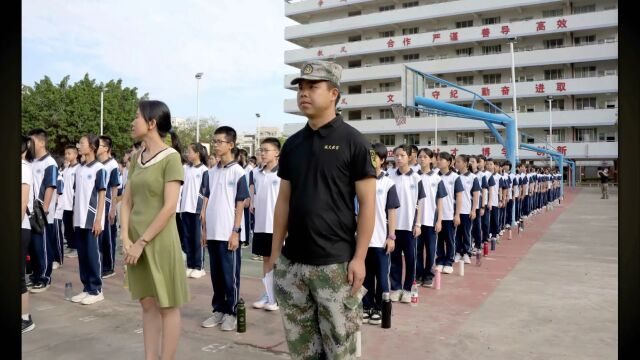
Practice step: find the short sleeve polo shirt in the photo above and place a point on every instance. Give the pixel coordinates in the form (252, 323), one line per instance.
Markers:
(322, 167)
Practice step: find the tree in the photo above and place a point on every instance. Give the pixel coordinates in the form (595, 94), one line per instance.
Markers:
(68, 112)
(187, 132)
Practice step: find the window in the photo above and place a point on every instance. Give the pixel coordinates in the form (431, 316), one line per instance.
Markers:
(491, 20)
(410, 4)
(490, 109)
(607, 136)
(465, 80)
(354, 64)
(558, 135)
(525, 78)
(464, 24)
(553, 43)
(493, 49)
(525, 108)
(387, 86)
(388, 140)
(354, 89)
(354, 38)
(355, 115)
(464, 52)
(444, 141)
(584, 40)
(585, 71)
(386, 114)
(354, 13)
(584, 9)
(465, 138)
(585, 135)
(387, 59)
(435, 85)
(585, 103)
(386, 34)
(410, 31)
(527, 139)
(387, 8)
(553, 74)
(610, 104)
(551, 13)
(411, 57)
(412, 139)
(489, 138)
(492, 78)
(555, 105)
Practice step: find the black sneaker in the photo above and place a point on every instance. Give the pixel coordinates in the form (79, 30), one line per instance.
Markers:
(39, 287)
(366, 314)
(27, 325)
(29, 284)
(428, 283)
(108, 274)
(376, 317)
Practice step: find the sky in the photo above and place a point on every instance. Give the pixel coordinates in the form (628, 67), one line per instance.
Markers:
(158, 46)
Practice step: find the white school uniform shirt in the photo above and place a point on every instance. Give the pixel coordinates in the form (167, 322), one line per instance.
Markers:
(60, 189)
(227, 186)
(69, 179)
(90, 180)
(45, 175)
(494, 182)
(470, 184)
(27, 178)
(482, 181)
(453, 185)
(386, 199)
(415, 168)
(524, 180)
(194, 189)
(410, 189)
(434, 189)
(113, 180)
(266, 186)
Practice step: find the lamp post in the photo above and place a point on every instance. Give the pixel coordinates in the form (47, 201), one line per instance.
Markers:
(102, 110)
(257, 130)
(513, 85)
(198, 77)
(550, 99)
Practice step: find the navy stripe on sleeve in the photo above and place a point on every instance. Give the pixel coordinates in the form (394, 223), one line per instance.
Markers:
(101, 180)
(242, 191)
(50, 177)
(476, 185)
(457, 187)
(114, 180)
(492, 181)
(204, 186)
(393, 202)
(421, 193)
(442, 190)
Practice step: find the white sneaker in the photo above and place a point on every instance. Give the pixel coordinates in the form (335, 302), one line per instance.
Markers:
(214, 320)
(271, 307)
(56, 265)
(92, 299)
(406, 297)
(457, 258)
(260, 304)
(447, 270)
(197, 274)
(228, 323)
(439, 268)
(466, 259)
(70, 253)
(78, 298)
(395, 295)
(189, 271)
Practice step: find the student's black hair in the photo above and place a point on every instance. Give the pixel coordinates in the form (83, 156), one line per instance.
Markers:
(253, 158)
(94, 142)
(507, 163)
(489, 160)
(414, 149)
(59, 160)
(445, 155)
(464, 158)
(159, 111)
(107, 141)
(27, 145)
(380, 150)
(273, 141)
(229, 133)
(426, 151)
(480, 157)
(39, 132)
(201, 151)
(71, 147)
(137, 145)
(404, 147)
(473, 157)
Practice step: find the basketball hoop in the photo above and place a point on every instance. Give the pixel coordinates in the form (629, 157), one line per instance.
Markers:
(399, 114)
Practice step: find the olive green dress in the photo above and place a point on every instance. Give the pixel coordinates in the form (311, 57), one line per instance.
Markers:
(160, 271)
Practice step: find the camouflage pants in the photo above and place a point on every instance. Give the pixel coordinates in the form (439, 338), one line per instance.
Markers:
(319, 315)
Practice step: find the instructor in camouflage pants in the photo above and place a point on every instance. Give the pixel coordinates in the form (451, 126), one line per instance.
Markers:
(323, 167)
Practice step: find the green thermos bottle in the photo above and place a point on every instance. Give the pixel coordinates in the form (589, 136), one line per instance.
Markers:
(241, 312)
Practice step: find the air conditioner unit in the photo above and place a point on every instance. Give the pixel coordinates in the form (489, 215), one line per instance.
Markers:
(368, 117)
(609, 72)
(369, 91)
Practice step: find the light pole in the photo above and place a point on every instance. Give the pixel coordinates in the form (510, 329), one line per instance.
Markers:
(198, 77)
(101, 111)
(257, 130)
(436, 135)
(550, 99)
(515, 105)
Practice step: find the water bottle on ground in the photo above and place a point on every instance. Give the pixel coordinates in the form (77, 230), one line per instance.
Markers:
(68, 291)
(386, 310)
(241, 313)
(414, 294)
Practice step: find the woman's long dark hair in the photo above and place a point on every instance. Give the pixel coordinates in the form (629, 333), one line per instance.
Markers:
(159, 111)
(27, 145)
(202, 152)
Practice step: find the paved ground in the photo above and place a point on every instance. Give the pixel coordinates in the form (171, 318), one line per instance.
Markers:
(550, 293)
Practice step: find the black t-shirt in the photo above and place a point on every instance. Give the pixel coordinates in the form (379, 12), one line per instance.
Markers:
(604, 177)
(322, 167)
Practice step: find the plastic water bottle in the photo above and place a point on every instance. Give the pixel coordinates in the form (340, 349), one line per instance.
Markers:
(461, 267)
(414, 294)
(68, 291)
(478, 258)
(437, 280)
(485, 248)
(241, 313)
(493, 244)
(386, 310)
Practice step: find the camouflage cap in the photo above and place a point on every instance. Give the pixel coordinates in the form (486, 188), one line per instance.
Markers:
(320, 70)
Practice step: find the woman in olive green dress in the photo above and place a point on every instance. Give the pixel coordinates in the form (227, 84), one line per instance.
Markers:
(156, 273)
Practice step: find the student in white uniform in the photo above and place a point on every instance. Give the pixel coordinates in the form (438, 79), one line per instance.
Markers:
(413, 159)
(486, 189)
(58, 245)
(69, 178)
(264, 183)
(195, 194)
(476, 227)
(228, 192)
(45, 176)
(109, 234)
(431, 218)
(451, 207)
(88, 219)
(494, 198)
(410, 192)
(377, 261)
(469, 203)
(26, 189)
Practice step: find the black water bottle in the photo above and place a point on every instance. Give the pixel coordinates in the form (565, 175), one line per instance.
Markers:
(386, 310)
(241, 313)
